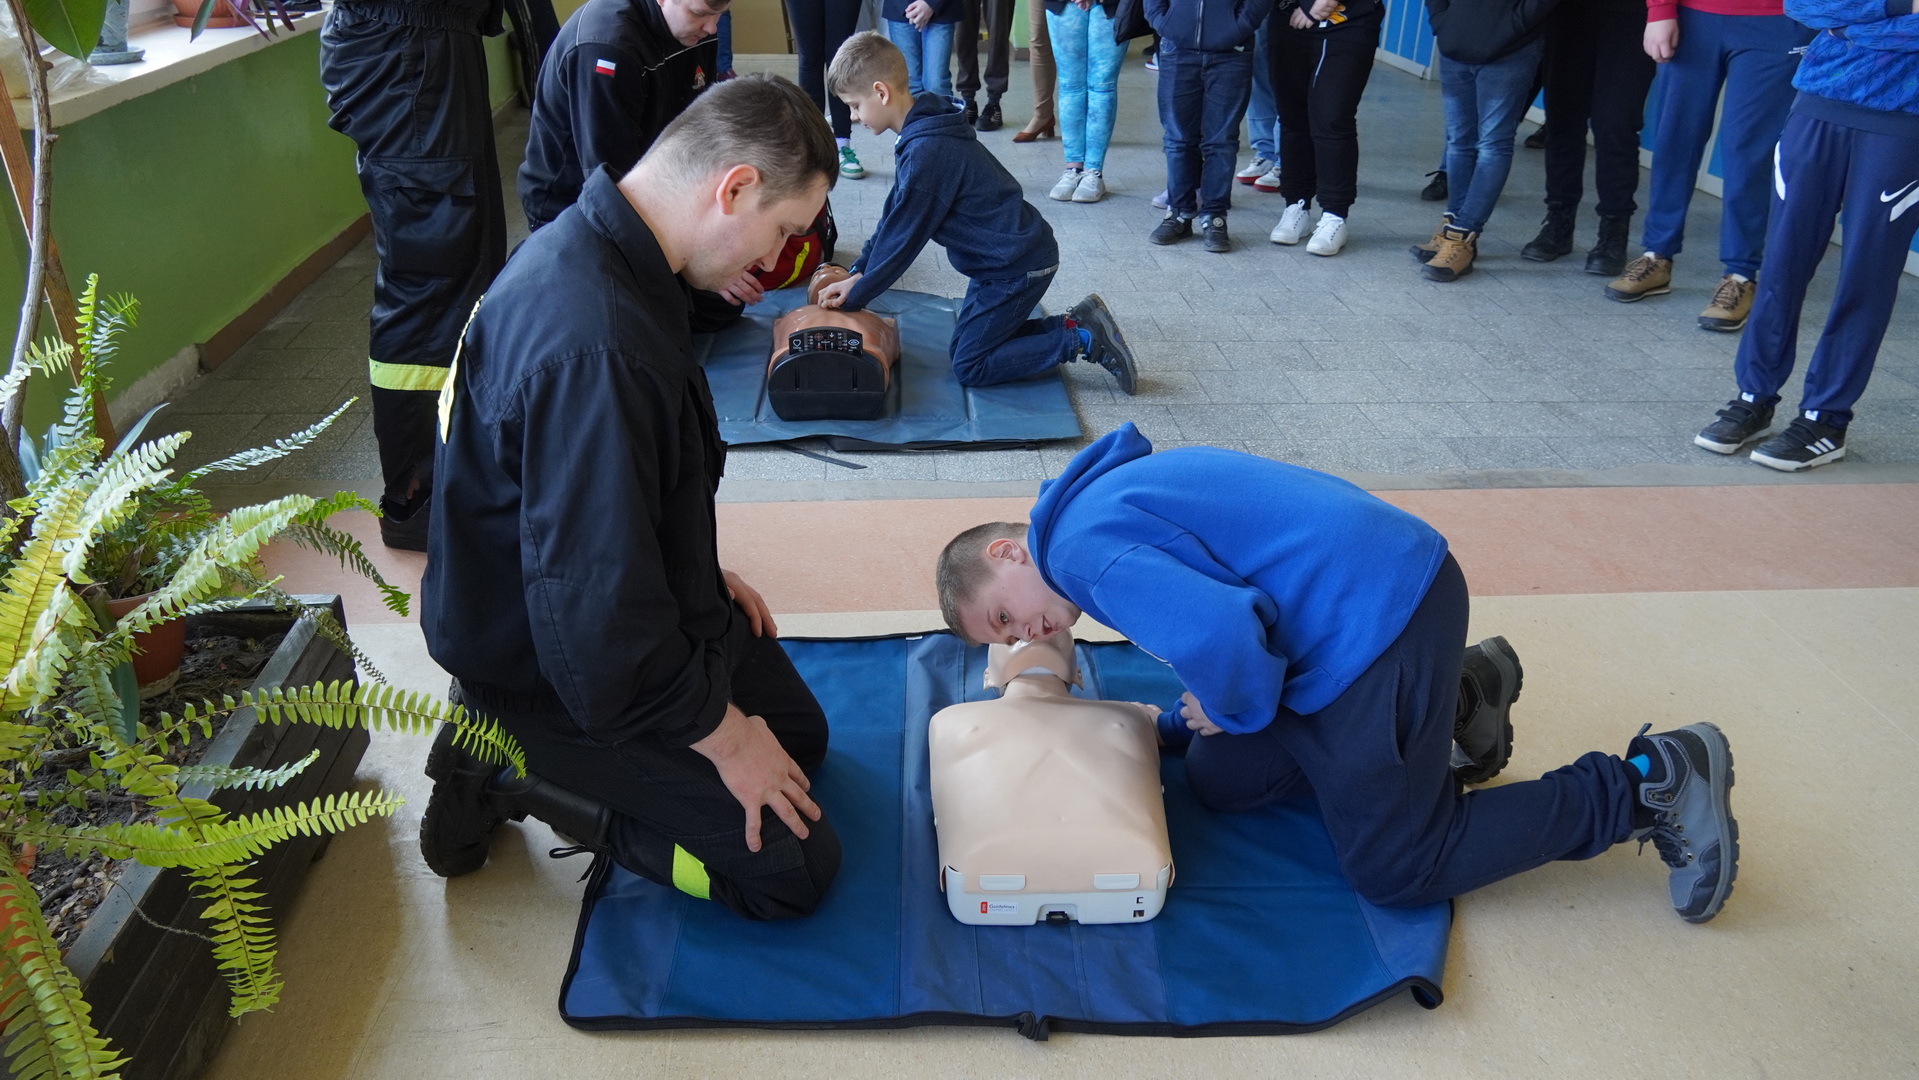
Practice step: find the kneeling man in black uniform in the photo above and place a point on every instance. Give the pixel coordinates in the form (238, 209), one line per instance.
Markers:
(573, 583)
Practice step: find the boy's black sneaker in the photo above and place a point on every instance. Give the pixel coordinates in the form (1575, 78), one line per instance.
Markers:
(457, 828)
(1108, 348)
(989, 117)
(1805, 444)
(1213, 228)
(1489, 683)
(1740, 422)
(1688, 799)
(1173, 228)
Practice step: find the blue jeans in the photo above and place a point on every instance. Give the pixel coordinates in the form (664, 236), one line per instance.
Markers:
(1086, 62)
(929, 55)
(1752, 57)
(726, 41)
(1379, 761)
(1202, 96)
(996, 340)
(1262, 116)
(1484, 103)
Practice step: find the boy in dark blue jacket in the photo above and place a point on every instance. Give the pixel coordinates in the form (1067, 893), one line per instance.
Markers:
(951, 190)
(1318, 632)
(1205, 80)
(1851, 142)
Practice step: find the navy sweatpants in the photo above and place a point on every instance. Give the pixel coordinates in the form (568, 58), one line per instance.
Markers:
(1821, 171)
(995, 338)
(1379, 759)
(1753, 57)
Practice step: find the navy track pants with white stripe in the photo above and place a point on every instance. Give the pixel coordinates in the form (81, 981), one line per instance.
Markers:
(1822, 170)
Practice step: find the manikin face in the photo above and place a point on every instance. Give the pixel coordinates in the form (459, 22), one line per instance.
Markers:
(1050, 655)
(1016, 605)
(745, 233)
(692, 21)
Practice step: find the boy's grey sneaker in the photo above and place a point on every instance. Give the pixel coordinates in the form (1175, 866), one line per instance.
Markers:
(1690, 802)
(1489, 682)
(1740, 422)
(1173, 228)
(1213, 227)
(1806, 443)
(1108, 348)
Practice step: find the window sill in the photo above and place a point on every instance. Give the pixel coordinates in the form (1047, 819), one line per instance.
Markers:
(171, 58)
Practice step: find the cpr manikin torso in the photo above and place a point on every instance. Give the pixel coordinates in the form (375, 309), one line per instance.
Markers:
(1048, 806)
(829, 364)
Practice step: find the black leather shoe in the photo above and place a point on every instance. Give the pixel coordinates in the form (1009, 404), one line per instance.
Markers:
(971, 112)
(1555, 238)
(989, 117)
(405, 533)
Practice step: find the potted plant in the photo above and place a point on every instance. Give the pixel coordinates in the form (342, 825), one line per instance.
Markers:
(66, 693)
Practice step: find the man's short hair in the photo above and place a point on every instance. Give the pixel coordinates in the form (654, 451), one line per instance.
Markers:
(759, 120)
(863, 60)
(963, 570)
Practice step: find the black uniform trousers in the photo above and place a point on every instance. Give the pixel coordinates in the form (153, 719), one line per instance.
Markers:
(1597, 73)
(999, 46)
(414, 101)
(820, 27)
(1317, 80)
(665, 796)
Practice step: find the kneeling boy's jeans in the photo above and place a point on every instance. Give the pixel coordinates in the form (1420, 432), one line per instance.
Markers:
(929, 56)
(996, 340)
(1202, 96)
(1484, 103)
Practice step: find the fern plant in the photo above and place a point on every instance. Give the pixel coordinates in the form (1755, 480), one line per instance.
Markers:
(64, 683)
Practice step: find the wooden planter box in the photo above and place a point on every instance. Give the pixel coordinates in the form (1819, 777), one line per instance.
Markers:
(156, 994)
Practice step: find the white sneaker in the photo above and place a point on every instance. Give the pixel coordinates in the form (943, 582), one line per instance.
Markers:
(1092, 187)
(1260, 167)
(1329, 236)
(1292, 224)
(1268, 183)
(1068, 183)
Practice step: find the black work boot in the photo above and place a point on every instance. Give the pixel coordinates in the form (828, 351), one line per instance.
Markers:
(457, 828)
(578, 819)
(1555, 237)
(405, 529)
(1489, 683)
(1608, 256)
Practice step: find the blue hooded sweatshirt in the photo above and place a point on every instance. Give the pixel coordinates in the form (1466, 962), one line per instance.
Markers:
(1862, 69)
(1262, 584)
(949, 189)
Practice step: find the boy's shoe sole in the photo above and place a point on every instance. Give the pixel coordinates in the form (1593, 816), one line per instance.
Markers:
(456, 832)
(1718, 447)
(1789, 465)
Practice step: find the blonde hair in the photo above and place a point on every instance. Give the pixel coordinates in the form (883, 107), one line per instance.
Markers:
(863, 60)
(963, 571)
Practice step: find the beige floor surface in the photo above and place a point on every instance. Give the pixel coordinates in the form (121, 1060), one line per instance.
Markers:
(1574, 969)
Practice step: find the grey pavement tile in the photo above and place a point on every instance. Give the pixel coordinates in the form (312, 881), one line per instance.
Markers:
(1395, 302)
(881, 465)
(204, 395)
(212, 436)
(989, 466)
(1416, 419)
(1886, 386)
(1318, 386)
(1703, 350)
(1357, 356)
(1249, 387)
(1327, 455)
(1133, 304)
(309, 399)
(275, 335)
(1669, 419)
(1511, 418)
(1693, 384)
(343, 334)
(1523, 386)
(1334, 421)
(1438, 386)
(1506, 453)
(773, 463)
(1882, 449)
(1612, 452)
(1424, 354)
(1210, 423)
(1404, 455)
(1172, 387)
(314, 307)
(1154, 421)
(1183, 356)
(349, 470)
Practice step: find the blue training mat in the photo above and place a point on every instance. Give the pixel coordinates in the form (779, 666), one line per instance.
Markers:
(1260, 933)
(933, 411)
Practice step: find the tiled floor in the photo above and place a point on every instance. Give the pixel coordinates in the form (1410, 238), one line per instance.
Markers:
(1543, 429)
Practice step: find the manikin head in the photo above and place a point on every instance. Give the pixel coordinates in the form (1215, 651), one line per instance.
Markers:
(692, 21)
(747, 165)
(991, 592)
(1048, 664)
(869, 74)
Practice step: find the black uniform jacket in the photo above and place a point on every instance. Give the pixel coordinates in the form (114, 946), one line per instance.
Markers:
(571, 559)
(613, 80)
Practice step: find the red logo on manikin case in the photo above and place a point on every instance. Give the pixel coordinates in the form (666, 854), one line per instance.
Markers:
(982, 907)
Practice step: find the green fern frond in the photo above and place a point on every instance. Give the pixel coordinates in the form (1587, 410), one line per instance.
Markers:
(44, 1017)
(247, 459)
(189, 835)
(327, 541)
(221, 777)
(243, 942)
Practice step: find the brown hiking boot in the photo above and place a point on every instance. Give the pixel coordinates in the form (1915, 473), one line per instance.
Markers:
(1731, 304)
(1648, 275)
(1424, 252)
(1454, 259)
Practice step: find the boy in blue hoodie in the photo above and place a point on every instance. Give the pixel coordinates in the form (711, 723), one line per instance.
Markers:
(1851, 145)
(949, 189)
(1318, 632)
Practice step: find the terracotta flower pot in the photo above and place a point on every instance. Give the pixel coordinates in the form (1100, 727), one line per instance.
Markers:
(157, 652)
(223, 17)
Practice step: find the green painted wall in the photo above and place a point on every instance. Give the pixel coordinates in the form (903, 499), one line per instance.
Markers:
(196, 199)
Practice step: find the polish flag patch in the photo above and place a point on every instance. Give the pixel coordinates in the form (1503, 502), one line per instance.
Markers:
(604, 67)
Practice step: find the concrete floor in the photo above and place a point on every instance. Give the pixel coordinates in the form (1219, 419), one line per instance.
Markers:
(1656, 585)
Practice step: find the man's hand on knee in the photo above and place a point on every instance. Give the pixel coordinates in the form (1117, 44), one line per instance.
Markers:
(759, 772)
